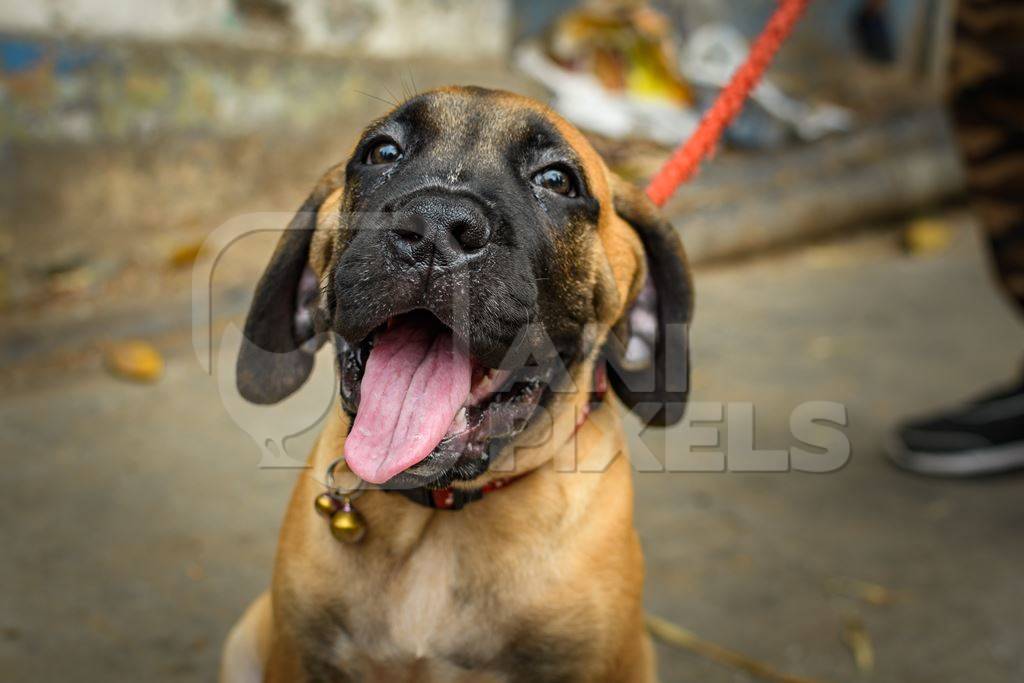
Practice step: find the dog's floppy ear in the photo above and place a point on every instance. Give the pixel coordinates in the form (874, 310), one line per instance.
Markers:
(281, 335)
(648, 350)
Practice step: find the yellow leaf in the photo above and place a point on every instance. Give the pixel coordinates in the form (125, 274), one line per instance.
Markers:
(185, 255)
(134, 360)
(927, 236)
(856, 637)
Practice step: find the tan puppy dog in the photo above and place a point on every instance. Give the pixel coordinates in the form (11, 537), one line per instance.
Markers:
(480, 272)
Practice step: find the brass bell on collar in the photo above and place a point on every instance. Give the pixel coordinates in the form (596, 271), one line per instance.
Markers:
(326, 504)
(347, 524)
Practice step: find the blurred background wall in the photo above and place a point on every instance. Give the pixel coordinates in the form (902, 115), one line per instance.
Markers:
(129, 131)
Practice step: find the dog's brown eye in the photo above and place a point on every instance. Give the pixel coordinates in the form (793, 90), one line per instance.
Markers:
(556, 180)
(384, 153)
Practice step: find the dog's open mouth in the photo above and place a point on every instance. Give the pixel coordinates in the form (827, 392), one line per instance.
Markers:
(422, 405)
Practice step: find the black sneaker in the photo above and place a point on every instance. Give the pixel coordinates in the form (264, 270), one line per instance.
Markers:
(985, 436)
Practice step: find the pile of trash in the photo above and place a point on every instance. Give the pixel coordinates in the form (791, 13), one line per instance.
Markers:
(615, 69)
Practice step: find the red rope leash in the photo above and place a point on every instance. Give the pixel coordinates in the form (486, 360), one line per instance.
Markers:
(686, 159)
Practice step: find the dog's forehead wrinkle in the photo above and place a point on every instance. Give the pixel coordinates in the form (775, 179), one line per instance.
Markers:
(475, 128)
(472, 124)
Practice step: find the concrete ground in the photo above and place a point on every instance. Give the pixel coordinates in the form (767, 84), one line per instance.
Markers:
(136, 523)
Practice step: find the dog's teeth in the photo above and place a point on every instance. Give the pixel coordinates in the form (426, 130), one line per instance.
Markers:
(459, 424)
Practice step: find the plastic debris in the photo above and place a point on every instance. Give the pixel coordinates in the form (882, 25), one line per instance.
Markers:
(614, 70)
(712, 54)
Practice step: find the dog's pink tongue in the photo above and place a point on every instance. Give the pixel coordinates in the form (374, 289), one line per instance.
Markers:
(416, 380)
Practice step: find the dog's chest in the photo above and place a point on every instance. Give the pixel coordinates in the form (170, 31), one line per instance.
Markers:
(425, 619)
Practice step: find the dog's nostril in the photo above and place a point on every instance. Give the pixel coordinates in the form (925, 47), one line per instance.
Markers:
(448, 228)
(470, 235)
(409, 228)
(408, 235)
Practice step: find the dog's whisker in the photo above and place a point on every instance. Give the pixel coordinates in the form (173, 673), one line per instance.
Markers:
(392, 95)
(412, 80)
(379, 99)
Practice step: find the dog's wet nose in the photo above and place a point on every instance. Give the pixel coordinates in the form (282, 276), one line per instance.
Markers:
(448, 229)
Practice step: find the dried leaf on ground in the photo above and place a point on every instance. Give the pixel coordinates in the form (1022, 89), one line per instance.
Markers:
(194, 571)
(185, 255)
(80, 276)
(669, 633)
(134, 360)
(75, 281)
(857, 638)
(871, 593)
(926, 236)
(5, 288)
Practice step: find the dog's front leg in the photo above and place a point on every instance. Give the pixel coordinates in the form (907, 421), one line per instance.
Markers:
(247, 648)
